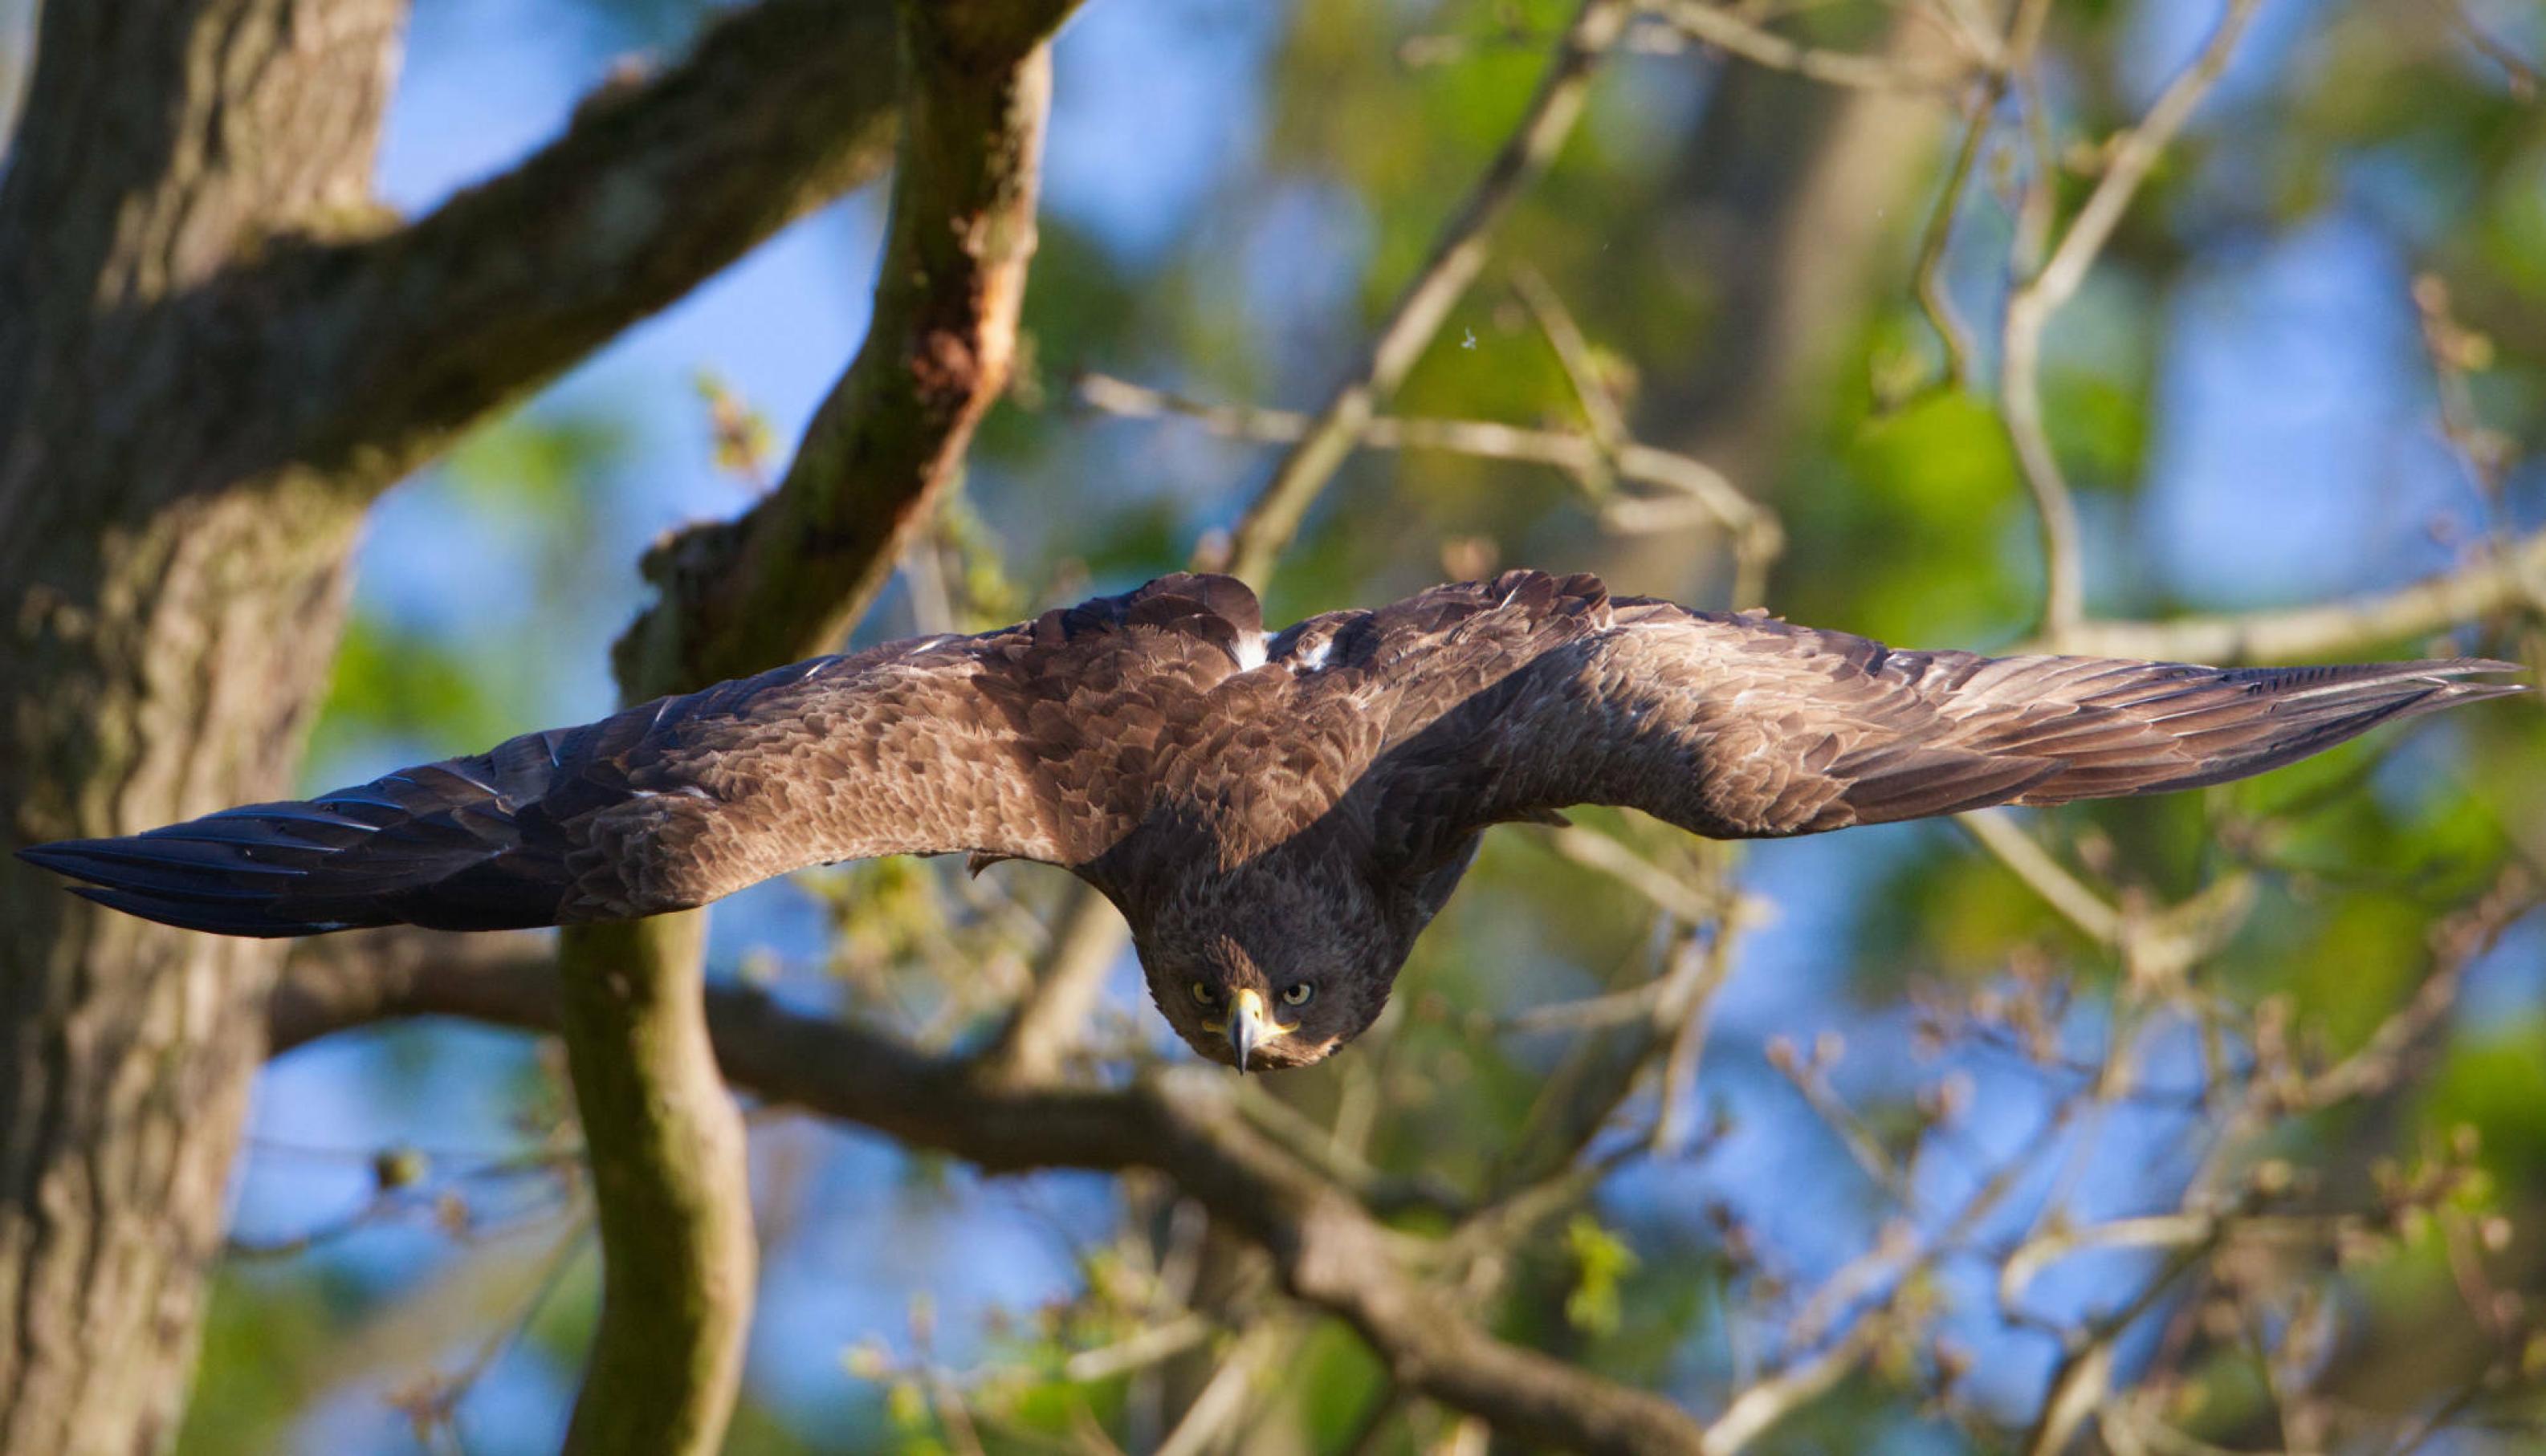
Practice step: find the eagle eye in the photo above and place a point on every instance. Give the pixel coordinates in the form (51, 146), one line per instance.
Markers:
(1204, 993)
(1298, 995)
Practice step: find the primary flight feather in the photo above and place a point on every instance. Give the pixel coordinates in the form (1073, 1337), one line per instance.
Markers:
(1277, 817)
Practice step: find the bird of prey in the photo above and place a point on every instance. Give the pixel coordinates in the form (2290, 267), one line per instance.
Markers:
(1277, 816)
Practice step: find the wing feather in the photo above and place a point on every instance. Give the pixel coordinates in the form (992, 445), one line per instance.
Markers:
(1515, 699)
(1003, 745)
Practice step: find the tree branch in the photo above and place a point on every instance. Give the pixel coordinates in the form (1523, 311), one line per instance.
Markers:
(2500, 581)
(1724, 29)
(1328, 1252)
(1458, 254)
(670, 1188)
(784, 582)
(2030, 306)
(395, 342)
(1695, 491)
(789, 577)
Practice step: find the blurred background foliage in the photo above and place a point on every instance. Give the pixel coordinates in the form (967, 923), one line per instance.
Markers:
(2248, 398)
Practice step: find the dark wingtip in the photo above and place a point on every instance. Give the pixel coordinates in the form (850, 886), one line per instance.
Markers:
(57, 855)
(213, 919)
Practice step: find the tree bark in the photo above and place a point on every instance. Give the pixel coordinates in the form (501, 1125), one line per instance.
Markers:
(168, 624)
(783, 582)
(215, 351)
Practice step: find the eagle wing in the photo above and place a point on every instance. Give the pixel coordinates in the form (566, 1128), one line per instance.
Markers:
(1023, 743)
(1512, 700)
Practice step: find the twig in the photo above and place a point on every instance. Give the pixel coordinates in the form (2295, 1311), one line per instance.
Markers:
(2494, 582)
(1998, 833)
(1863, 1148)
(1212, 1421)
(2014, 60)
(1606, 423)
(2519, 72)
(2084, 1376)
(1723, 28)
(1457, 255)
(2456, 943)
(1698, 491)
(2030, 307)
(1086, 940)
(1765, 1403)
(1150, 1345)
(1689, 904)
(1928, 274)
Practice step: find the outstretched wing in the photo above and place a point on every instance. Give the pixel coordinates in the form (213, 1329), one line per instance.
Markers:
(1005, 744)
(1519, 699)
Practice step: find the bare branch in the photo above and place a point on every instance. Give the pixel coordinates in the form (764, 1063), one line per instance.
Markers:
(1721, 27)
(2519, 72)
(1765, 1403)
(2063, 892)
(665, 1142)
(2014, 60)
(787, 579)
(2029, 309)
(670, 1190)
(1600, 411)
(1086, 938)
(1328, 1252)
(2498, 582)
(1457, 255)
(410, 336)
(1696, 491)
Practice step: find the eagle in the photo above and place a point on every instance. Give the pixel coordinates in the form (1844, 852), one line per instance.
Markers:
(1276, 814)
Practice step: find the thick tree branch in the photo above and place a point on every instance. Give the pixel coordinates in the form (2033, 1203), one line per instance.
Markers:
(787, 579)
(670, 1188)
(393, 342)
(1328, 1252)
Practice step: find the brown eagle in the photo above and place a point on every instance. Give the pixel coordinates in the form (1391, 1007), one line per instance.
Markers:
(1276, 816)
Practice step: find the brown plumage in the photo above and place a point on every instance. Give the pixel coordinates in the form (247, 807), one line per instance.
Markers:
(1277, 817)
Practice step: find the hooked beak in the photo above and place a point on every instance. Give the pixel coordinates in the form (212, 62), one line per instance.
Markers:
(1250, 1027)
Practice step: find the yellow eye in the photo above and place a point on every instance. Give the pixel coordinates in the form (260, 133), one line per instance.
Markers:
(1298, 995)
(1205, 993)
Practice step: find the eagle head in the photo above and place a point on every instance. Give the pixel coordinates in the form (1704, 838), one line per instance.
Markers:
(1262, 970)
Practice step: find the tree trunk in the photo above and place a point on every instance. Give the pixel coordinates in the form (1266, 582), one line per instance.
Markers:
(167, 612)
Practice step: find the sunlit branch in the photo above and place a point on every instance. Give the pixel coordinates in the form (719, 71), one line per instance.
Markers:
(1327, 1251)
(1723, 28)
(2030, 308)
(1601, 414)
(416, 333)
(1087, 937)
(784, 582)
(2014, 60)
(1696, 492)
(787, 579)
(2499, 580)
(1457, 255)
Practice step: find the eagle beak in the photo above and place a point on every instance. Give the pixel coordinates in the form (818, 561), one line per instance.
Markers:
(1250, 1027)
